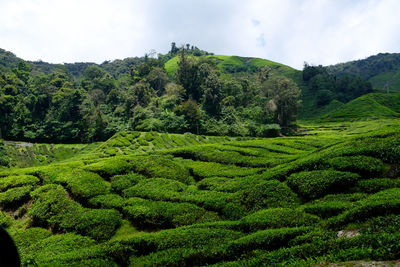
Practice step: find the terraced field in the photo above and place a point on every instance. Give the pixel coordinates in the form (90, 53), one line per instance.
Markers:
(330, 194)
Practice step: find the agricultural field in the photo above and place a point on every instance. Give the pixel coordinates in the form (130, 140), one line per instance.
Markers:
(329, 194)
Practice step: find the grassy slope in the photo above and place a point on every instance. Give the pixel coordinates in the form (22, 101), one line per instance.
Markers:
(391, 77)
(225, 61)
(192, 200)
(374, 105)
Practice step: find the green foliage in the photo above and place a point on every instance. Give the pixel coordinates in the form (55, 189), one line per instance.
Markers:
(109, 167)
(377, 184)
(14, 181)
(15, 196)
(108, 201)
(277, 218)
(178, 238)
(360, 164)
(269, 194)
(327, 209)
(160, 214)
(382, 203)
(124, 181)
(156, 189)
(84, 185)
(181, 257)
(157, 166)
(374, 105)
(314, 184)
(266, 239)
(52, 206)
(64, 249)
(5, 220)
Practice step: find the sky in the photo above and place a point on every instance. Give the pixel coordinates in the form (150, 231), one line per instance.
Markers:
(287, 31)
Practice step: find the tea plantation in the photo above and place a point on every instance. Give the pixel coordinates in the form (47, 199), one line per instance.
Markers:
(330, 194)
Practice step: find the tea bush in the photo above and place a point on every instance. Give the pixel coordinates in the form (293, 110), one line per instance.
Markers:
(122, 182)
(277, 218)
(15, 196)
(269, 194)
(315, 184)
(360, 164)
(83, 184)
(161, 214)
(266, 239)
(17, 180)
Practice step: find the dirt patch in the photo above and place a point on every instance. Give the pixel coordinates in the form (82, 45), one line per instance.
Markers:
(348, 233)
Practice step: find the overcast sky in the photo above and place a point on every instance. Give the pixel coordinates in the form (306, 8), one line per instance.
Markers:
(288, 31)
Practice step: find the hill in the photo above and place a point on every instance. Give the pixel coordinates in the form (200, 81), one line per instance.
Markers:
(236, 64)
(382, 70)
(370, 106)
(330, 194)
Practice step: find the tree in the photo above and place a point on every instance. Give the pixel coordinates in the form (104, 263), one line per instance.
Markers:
(158, 79)
(324, 97)
(212, 95)
(188, 76)
(285, 100)
(191, 111)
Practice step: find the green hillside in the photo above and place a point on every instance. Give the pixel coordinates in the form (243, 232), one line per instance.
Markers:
(150, 199)
(381, 70)
(371, 106)
(236, 64)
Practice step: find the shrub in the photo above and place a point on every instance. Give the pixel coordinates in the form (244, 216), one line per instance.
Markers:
(122, 182)
(5, 220)
(177, 238)
(161, 167)
(99, 224)
(268, 194)
(182, 257)
(377, 184)
(165, 214)
(315, 184)
(202, 169)
(19, 180)
(277, 218)
(27, 237)
(383, 203)
(15, 196)
(267, 239)
(381, 224)
(51, 206)
(108, 201)
(327, 209)
(83, 184)
(109, 167)
(156, 189)
(360, 164)
(44, 249)
(213, 183)
(49, 173)
(269, 130)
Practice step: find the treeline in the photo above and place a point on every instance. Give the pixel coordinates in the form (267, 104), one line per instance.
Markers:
(60, 106)
(369, 67)
(328, 87)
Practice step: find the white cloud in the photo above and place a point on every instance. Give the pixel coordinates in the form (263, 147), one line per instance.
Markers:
(287, 31)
